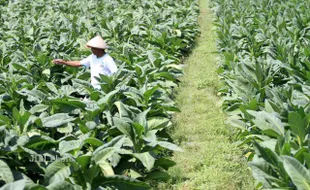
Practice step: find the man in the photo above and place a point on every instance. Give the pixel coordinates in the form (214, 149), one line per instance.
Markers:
(99, 62)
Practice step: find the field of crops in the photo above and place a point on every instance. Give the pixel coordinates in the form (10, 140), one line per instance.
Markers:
(50, 138)
(266, 66)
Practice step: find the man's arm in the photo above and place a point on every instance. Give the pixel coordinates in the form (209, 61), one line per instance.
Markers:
(69, 63)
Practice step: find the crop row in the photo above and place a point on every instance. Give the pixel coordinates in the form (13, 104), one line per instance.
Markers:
(266, 69)
(51, 137)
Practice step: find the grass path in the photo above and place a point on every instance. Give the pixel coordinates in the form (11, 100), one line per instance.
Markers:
(210, 160)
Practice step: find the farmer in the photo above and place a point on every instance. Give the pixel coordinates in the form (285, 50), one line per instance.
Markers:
(100, 62)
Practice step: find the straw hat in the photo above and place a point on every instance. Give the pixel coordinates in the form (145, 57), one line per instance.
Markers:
(97, 42)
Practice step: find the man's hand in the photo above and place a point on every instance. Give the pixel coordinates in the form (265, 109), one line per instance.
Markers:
(59, 61)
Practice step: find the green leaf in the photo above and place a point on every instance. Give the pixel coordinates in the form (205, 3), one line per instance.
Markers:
(39, 108)
(66, 146)
(141, 118)
(267, 122)
(16, 114)
(299, 174)
(169, 146)
(64, 185)
(261, 172)
(67, 90)
(106, 168)
(93, 141)
(123, 127)
(147, 94)
(41, 142)
(267, 154)
(297, 126)
(107, 98)
(52, 87)
(157, 123)
(5, 172)
(134, 174)
(66, 129)
(146, 159)
(151, 137)
(84, 161)
(165, 75)
(122, 182)
(138, 130)
(103, 153)
(158, 176)
(57, 172)
(33, 186)
(123, 110)
(16, 185)
(72, 103)
(307, 158)
(57, 120)
(164, 163)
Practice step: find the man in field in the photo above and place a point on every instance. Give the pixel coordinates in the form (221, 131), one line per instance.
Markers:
(100, 62)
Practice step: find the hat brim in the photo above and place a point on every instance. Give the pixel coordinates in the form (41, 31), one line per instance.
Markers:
(95, 47)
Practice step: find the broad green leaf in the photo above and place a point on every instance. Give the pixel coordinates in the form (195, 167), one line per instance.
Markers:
(39, 108)
(165, 75)
(138, 130)
(84, 161)
(57, 172)
(147, 94)
(262, 175)
(63, 185)
(66, 129)
(307, 158)
(297, 126)
(5, 172)
(169, 146)
(103, 154)
(122, 182)
(69, 102)
(93, 141)
(164, 163)
(122, 110)
(134, 174)
(16, 114)
(151, 137)
(123, 127)
(106, 168)
(33, 186)
(157, 123)
(141, 118)
(67, 90)
(16, 185)
(267, 154)
(66, 146)
(57, 120)
(41, 142)
(158, 176)
(299, 174)
(51, 87)
(146, 159)
(267, 122)
(107, 98)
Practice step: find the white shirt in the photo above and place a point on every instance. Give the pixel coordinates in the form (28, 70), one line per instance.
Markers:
(104, 65)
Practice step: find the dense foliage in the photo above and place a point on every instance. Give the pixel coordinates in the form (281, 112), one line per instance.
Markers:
(117, 139)
(266, 66)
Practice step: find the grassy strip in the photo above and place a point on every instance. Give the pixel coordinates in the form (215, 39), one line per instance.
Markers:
(210, 159)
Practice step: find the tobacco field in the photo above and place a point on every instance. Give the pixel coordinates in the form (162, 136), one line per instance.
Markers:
(266, 68)
(57, 132)
(118, 138)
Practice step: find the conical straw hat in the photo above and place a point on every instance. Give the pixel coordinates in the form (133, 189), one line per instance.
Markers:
(97, 42)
